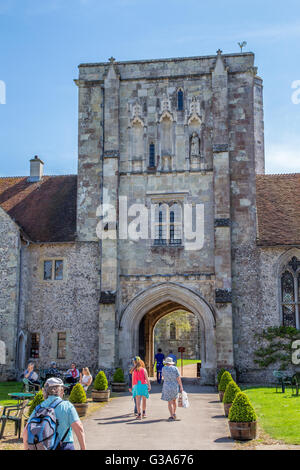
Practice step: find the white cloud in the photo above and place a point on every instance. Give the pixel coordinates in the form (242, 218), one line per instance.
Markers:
(283, 158)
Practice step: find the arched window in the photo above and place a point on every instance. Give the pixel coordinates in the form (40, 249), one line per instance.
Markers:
(151, 155)
(173, 331)
(180, 100)
(290, 294)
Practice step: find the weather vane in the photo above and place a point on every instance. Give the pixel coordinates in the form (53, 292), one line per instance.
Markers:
(242, 44)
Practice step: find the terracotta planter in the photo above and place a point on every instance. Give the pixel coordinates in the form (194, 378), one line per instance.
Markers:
(81, 408)
(243, 431)
(221, 395)
(119, 387)
(227, 407)
(100, 395)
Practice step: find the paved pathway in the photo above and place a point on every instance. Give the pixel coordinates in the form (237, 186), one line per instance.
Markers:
(202, 426)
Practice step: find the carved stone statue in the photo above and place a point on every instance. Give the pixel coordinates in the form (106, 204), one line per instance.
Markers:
(195, 145)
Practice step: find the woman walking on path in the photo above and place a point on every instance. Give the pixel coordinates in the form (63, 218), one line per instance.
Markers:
(140, 387)
(172, 382)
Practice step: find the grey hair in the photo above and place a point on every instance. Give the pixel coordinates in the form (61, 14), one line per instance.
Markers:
(52, 391)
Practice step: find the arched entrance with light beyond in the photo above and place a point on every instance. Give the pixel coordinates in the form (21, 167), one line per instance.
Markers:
(139, 317)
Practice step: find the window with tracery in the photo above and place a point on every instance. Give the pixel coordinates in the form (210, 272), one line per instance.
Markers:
(290, 294)
(168, 224)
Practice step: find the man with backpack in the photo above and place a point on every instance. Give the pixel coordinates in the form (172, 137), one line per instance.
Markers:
(51, 424)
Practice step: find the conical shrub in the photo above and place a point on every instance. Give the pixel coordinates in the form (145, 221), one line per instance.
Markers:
(241, 410)
(38, 399)
(231, 391)
(225, 379)
(100, 382)
(119, 376)
(219, 375)
(77, 394)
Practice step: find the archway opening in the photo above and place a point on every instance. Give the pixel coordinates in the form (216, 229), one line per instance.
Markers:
(170, 326)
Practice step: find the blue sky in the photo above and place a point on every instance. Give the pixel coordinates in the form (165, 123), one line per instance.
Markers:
(43, 41)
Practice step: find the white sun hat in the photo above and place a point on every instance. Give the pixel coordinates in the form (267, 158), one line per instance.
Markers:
(169, 360)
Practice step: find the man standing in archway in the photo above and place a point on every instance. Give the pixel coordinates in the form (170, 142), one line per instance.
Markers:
(159, 359)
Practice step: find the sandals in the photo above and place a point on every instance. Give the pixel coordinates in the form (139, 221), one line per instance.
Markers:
(139, 416)
(144, 414)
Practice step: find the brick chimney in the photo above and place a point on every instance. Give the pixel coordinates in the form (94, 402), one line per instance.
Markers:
(36, 169)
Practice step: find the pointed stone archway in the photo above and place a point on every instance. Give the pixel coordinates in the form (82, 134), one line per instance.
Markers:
(156, 302)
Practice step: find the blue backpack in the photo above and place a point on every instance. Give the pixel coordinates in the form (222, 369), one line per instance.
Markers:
(42, 428)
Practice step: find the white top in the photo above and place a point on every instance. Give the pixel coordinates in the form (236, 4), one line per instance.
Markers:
(86, 378)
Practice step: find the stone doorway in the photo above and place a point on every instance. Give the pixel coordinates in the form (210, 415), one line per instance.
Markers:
(138, 320)
(158, 327)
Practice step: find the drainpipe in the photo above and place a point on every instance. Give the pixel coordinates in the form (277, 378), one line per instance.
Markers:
(19, 305)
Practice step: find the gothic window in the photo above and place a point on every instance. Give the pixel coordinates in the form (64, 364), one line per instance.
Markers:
(151, 155)
(168, 224)
(180, 100)
(61, 345)
(35, 346)
(290, 294)
(173, 331)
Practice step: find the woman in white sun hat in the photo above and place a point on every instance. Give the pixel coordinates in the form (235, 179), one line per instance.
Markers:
(171, 386)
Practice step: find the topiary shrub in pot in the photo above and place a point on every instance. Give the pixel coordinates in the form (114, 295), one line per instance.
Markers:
(118, 384)
(219, 375)
(37, 400)
(225, 379)
(78, 398)
(231, 391)
(100, 391)
(242, 418)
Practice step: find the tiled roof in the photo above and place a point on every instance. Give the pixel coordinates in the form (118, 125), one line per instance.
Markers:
(278, 209)
(45, 210)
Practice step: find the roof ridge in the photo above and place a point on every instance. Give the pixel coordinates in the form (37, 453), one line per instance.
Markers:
(27, 176)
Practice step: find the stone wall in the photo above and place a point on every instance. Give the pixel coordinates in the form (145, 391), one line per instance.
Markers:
(70, 305)
(9, 288)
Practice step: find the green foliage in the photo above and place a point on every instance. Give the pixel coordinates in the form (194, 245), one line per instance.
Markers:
(119, 376)
(100, 382)
(78, 394)
(231, 391)
(38, 399)
(219, 375)
(276, 346)
(241, 410)
(225, 379)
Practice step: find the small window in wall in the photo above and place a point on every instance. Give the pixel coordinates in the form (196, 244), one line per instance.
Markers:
(173, 331)
(35, 346)
(53, 270)
(61, 345)
(180, 100)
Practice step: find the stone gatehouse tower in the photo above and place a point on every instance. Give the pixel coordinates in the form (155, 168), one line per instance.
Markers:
(176, 132)
(184, 136)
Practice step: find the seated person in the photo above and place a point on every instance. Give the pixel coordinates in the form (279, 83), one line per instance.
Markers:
(72, 375)
(53, 370)
(85, 378)
(31, 377)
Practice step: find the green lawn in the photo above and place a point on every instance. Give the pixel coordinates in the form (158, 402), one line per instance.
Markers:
(8, 387)
(186, 362)
(278, 413)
